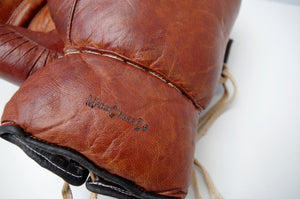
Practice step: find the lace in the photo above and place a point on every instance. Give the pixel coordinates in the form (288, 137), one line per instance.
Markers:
(67, 192)
(93, 177)
(204, 123)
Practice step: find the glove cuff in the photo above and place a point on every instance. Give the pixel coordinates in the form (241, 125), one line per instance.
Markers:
(70, 165)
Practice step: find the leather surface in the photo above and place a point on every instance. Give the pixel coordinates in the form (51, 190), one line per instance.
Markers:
(57, 112)
(184, 41)
(42, 22)
(33, 14)
(128, 93)
(25, 12)
(7, 7)
(23, 52)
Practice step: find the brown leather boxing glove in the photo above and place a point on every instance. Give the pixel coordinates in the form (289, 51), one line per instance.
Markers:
(26, 13)
(29, 46)
(23, 52)
(124, 101)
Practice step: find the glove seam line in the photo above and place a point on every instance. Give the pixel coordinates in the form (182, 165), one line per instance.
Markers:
(70, 21)
(126, 60)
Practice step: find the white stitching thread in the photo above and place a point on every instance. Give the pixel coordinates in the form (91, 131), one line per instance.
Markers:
(69, 52)
(113, 188)
(77, 176)
(114, 57)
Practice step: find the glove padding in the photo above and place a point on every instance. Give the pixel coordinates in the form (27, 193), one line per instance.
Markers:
(125, 99)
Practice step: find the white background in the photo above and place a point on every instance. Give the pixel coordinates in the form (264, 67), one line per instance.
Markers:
(253, 149)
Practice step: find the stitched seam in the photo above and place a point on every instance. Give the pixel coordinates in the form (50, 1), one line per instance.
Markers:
(72, 51)
(70, 21)
(37, 153)
(113, 188)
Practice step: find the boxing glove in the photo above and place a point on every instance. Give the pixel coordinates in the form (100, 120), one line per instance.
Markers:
(21, 12)
(124, 100)
(22, 51)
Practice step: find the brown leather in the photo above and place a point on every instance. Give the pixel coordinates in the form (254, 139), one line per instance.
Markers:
(158, 159)
(33, 14)
(7, 7)
(129, 91)
(183, 41)
(42, 22)
(23, 52)
(25, 12)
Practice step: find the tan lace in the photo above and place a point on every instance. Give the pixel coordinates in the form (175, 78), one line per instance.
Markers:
(208, 119)
(93, 177)
(204, 123)
(66, 191)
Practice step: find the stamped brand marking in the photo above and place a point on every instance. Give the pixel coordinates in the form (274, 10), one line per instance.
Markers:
(115, 112)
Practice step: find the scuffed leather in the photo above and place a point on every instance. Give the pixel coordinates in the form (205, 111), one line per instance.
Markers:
(79, 101)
